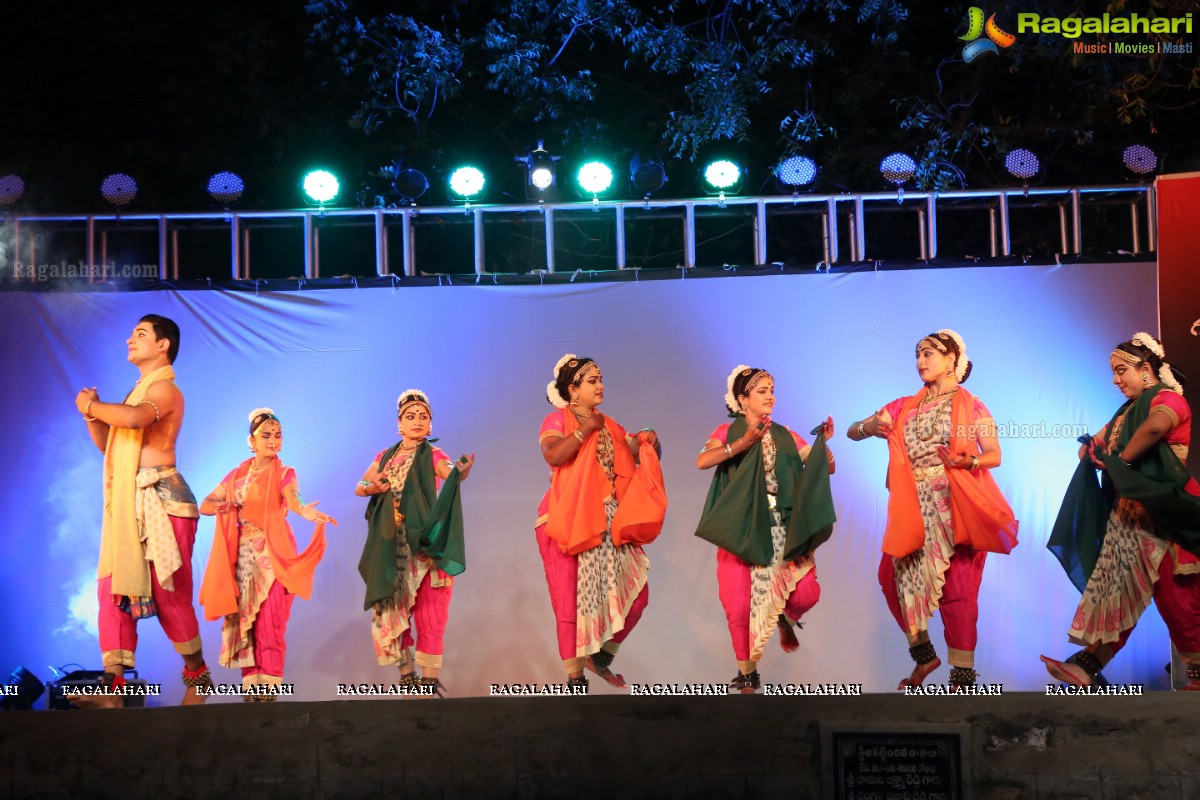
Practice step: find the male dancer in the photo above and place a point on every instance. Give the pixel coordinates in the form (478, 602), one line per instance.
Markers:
(150, 514)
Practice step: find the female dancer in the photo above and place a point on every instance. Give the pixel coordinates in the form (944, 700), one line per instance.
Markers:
(414, 544)
(945, 512)
(1147, 530)
(606, 499)
(754, 514)
(254, 570)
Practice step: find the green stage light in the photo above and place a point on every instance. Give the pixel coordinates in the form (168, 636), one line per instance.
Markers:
(595, 177)
(466, 183)
(321, 186)
(723, 176)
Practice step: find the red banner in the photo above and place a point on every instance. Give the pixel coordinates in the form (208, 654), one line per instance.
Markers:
(1179, 280)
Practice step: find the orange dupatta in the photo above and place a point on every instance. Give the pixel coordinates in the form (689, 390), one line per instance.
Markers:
(264, 508)
(980, 515)
(577, 519)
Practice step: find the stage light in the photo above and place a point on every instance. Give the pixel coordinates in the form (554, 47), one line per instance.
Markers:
(1022, 164)
(723, 175)
(539, 171)
(11, 189)
(119, 189)
(898, 169)
(541, 177)
(595, 177)
(796, 172)
(29, 689)
(410, 183)
(466, 184)
(321, 186)
(646, 174)
(225, 187)
(1140, 160)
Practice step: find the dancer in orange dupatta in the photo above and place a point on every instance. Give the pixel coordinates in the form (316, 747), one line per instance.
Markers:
(945, 512)
(606, 499)
(254, 571)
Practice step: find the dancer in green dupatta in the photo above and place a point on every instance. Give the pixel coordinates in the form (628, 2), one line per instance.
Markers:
(414, 544)
(768, 509)
(1135, 535)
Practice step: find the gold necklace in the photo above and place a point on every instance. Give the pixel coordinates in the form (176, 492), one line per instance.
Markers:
(931, 429)
(414, 447)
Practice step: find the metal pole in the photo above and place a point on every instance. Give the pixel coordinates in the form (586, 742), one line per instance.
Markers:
(824, 216)
(1005, 229)
(931, 220)
(477, 226)
(831, 231)
(689, 234)
(380, 244)
(308, 245)
(1152, 218)
(162, 248)
(992, 231)
(1135, 225)
(760, 233)
(1062, 228)
(246, 252)
(234, 234)
(549, 213)
(406, 243)
(922, 234)
(316, 251)
(620, 237)
(860, 232)
(175, 254)
(1076, 223)
(103, 257)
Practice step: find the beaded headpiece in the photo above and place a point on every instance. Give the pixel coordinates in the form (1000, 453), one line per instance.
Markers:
(573, 370)
(941, 342)
(740, 382)
(412, 397)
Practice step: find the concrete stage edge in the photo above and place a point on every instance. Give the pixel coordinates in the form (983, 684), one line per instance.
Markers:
(1021, 745)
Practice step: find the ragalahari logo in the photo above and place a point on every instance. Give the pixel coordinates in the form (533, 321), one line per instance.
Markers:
(976, 28)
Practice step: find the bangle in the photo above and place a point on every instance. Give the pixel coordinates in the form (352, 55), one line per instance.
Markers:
(86, 415)
(862, 431)
(729, 450)
(364, 484)
(579, 435)
(974, 463)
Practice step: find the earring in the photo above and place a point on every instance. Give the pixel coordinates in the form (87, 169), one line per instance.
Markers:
(1145, 379)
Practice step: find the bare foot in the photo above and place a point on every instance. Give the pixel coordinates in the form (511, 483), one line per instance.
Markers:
(614, 678)
(787, 636)
(920, 673)
(193, 698)
(1072, 674)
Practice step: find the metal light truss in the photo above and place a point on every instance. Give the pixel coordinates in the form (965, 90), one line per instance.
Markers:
(854, 207)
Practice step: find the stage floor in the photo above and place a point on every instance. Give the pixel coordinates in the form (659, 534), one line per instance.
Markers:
(1019, 745)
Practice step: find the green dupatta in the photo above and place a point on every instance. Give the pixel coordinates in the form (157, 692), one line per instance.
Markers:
(1156, 481)
(737, 515)
(433, 524)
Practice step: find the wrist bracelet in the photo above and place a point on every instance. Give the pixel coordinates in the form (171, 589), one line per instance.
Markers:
(579, 435)
(729, 450)
(974, 463)
(365, 484)
(862, 431)
(86, 407)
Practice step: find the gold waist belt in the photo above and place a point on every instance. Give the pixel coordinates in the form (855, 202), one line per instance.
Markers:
(928, 473)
